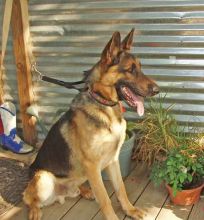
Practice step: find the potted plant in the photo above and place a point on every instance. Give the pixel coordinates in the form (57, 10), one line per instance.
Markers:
(182, 172)
(157, 132)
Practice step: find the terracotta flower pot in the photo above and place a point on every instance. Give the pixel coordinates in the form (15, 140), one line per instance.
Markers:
(185, 197)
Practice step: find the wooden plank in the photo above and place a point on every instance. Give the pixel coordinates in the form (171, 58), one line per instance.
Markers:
(21, 52)
(170, 211)
(73, 207)
(197, 212)
(151, 201)
(53, 212)
(25, 158)
(86, 209)
(19, 213)
(1, 85)
(12, 213)
(57, 211)
(135, 184)
(1, 91)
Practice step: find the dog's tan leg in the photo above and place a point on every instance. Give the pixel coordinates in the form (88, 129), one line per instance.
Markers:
(115, 175)
(34, 213)
(31, 199)
(96, 182)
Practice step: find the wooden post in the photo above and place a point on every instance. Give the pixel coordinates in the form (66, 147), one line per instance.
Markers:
(1, 84)
(24, 78)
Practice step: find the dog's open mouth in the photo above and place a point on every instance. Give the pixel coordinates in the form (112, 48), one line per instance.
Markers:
(133, 100)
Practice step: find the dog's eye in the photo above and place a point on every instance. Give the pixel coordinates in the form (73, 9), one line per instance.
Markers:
(133, 69)
(116, 60)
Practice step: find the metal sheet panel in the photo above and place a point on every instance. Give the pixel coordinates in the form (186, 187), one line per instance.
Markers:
(68, 37)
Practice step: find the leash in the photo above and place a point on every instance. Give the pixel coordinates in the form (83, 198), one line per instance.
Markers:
(74, 85)
(70, 85)
(78, 85)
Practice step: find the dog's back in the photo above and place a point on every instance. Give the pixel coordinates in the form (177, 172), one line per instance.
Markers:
(54, 154)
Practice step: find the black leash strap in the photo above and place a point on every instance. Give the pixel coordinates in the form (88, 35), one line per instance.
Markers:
(78, 85)
(68, 85)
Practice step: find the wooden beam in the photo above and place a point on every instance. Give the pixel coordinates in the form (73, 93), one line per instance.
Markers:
(1, 85)
(20, 30)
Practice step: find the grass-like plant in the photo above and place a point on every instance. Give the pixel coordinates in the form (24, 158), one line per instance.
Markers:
(158, 133)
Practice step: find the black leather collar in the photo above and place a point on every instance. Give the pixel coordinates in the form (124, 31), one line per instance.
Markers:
(101, 100)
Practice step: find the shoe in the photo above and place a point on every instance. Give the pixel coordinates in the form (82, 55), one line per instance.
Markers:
(8, 137)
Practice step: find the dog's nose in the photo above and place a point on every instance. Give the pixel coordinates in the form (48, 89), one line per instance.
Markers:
(153, 89)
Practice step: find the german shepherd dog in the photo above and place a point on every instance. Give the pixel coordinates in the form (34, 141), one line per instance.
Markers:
(88, 137)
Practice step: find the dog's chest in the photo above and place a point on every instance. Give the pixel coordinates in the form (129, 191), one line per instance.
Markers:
(107, 143)
(117, 130)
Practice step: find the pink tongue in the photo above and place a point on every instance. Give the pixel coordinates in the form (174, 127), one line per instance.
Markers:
(140, 106)
(134, 101)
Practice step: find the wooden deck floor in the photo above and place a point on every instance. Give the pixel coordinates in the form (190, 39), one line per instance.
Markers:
(141, 192)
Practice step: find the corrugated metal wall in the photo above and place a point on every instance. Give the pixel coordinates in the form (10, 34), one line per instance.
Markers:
(68, 37)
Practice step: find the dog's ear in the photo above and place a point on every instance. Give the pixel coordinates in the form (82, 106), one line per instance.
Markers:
(128, 40)
(110, 52)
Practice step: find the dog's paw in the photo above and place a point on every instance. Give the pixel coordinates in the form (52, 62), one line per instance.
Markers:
(73, 192)
(35, 214)
(86, 193)
(136, 214)
(61, 200)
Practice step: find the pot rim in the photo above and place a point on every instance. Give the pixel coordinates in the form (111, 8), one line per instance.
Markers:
(198, 187)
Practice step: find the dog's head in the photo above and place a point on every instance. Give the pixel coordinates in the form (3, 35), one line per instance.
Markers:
(118, 75)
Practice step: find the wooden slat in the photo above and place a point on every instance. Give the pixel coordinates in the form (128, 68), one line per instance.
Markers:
(86, 209)
(25, 158)
(75, 208)
(1, 90)
(53, 212)
(170, 211)
(56, 211)
(20, 213)
(21, 52)
(135, 184)
(151, 201)
(1, 85)
(197, 211)
(11, 214)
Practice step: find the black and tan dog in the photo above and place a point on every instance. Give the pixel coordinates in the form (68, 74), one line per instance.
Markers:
(88, 138)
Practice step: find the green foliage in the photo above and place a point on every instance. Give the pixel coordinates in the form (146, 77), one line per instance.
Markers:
(131, 125)
(129, 129)
(183, 168)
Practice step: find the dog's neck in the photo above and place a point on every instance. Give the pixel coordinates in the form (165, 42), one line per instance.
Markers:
(101, 100)
(106, 102)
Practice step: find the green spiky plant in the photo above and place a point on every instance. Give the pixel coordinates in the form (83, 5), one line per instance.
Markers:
(158, 133)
